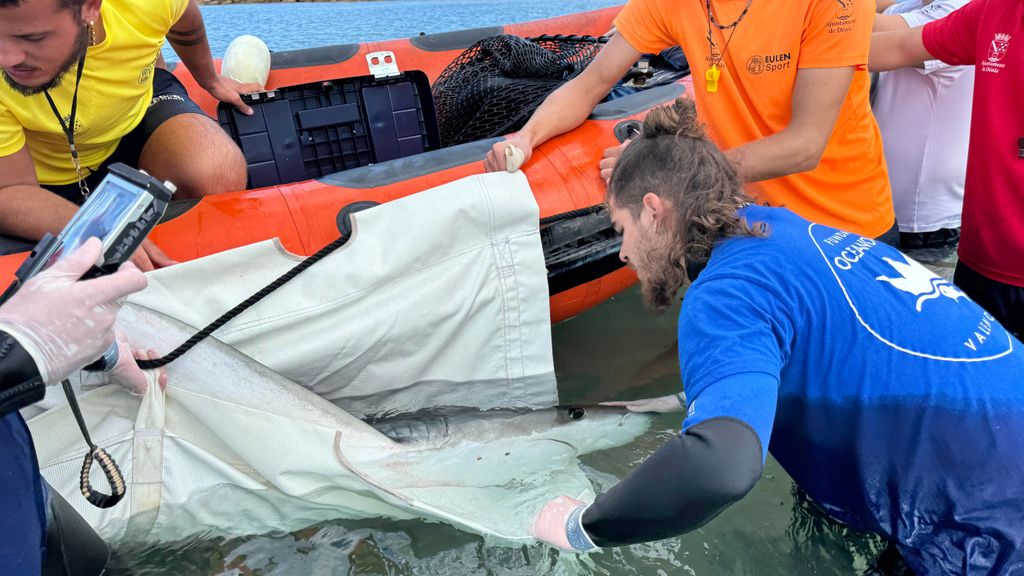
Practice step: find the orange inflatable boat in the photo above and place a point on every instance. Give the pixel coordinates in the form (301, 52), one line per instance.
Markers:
(343, 127)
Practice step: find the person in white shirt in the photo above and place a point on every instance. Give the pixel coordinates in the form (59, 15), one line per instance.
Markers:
(924, 115)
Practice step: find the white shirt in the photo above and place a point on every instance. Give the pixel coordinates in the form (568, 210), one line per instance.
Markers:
(925, 119)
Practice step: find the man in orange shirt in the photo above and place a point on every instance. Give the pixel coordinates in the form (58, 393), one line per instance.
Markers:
(782, 87)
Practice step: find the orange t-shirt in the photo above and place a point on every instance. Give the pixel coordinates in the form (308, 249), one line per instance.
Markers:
(850, 187)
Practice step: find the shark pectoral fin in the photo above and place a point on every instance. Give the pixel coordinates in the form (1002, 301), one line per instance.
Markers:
(469, 464)
(493, 489)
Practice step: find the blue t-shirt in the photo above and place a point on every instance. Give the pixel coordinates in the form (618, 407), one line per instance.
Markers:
(895, 401)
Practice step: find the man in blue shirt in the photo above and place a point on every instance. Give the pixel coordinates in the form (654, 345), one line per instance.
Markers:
(890, 397)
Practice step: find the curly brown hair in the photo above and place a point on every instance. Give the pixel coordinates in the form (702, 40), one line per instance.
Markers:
(674, 159)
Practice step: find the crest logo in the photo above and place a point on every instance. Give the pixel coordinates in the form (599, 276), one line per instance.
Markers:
(917, 280)
(79, 127)
(844, 9)
(714, 56)
(997, 50)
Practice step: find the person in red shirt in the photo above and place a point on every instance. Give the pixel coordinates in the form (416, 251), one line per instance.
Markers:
(990, 35)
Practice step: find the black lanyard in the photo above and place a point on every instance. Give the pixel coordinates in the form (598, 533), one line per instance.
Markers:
(69, 127)
(712, 75)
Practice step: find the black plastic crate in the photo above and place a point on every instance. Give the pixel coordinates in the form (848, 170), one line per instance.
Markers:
(307, 131)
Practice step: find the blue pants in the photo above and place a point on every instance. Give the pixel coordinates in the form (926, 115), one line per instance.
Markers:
(22, 503)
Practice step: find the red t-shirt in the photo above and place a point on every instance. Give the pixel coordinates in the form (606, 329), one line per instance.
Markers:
(990, 35)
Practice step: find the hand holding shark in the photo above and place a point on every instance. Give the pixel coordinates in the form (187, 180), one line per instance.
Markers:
(560, 523)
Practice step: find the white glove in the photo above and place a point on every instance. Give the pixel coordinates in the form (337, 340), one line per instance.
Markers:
(64, 323)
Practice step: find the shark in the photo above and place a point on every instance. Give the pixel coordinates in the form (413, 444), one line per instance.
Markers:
(233, 448)
(587, 428)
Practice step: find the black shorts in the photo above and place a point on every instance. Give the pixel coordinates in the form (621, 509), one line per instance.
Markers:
(169, 100)
(890, 236)
(941, 238)
(1004, 301)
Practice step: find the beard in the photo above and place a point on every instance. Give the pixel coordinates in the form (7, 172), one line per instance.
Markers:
(81, 45)
(660, 270)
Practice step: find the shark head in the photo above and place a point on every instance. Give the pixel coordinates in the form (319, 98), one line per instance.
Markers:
(590, 428)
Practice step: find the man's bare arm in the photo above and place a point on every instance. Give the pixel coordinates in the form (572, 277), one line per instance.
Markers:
(897, 49)
(883, 5)
(817, 99)
(570, 105)
(30, 211)
(889, 22)
(27, 210)
(188, 38)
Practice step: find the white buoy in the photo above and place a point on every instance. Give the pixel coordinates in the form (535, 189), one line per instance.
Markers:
(247, 59)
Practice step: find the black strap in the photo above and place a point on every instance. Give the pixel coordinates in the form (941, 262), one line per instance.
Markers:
(69, 127)
(320, 255)
(249, 302)
(118, 488)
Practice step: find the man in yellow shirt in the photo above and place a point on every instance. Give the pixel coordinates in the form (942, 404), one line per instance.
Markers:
(90, 73)
(781, 86)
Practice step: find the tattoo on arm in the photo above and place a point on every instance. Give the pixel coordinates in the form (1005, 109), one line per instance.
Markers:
(193, 37)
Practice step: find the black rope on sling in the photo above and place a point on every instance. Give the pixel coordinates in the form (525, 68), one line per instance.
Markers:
(249, 302)
(320, 255)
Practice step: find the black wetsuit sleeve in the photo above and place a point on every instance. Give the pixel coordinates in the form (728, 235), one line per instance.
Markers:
(20, 381)
(684, 484)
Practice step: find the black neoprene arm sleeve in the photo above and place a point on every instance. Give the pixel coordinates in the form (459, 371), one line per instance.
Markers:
(684, 484)
(20, 383)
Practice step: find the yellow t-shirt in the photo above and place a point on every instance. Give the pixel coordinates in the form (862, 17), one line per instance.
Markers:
(850, 187)
(117, 85)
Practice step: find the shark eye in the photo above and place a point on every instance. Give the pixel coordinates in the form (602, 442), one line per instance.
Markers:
(575, 412)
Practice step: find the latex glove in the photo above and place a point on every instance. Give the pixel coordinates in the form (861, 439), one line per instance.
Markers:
(610, 157)
(127, 373)
(662, 404)
(497, 160)
(560, 523)
(64, 323)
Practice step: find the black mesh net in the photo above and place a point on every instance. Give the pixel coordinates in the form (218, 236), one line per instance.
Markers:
(493, 87)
